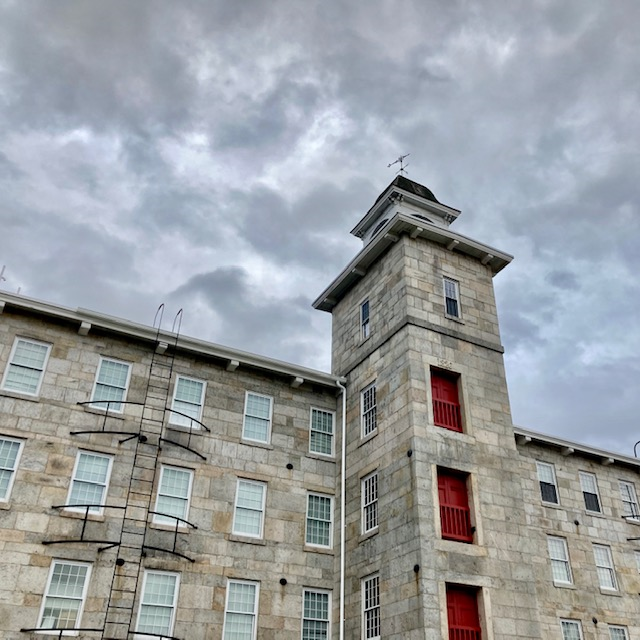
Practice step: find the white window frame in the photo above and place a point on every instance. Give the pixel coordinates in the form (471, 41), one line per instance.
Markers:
(312, 430)
(369, 496)
(575, 624)
(630, 508)
(365, 319)
(456, 296)
(369, 410)
(368, 608)
(540, 463)
(609, 568)
(585, 478)
(329, 545)
(617, 628)
(637, 556)
(182, 420)
(327, 620)
(41, 621)
(261, 511)
(167, 519)
(11, 470)
(246, 414)
(253, 614)
(105, 485)
(560, 560)
(107, 405)
(146, 634)
(11, 364)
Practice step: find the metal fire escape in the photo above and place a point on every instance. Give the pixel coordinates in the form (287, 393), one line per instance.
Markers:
(133, 544)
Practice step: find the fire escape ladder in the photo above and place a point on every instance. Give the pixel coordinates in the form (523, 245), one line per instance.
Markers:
(131, 547)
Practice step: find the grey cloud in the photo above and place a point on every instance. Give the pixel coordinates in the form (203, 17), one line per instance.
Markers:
(277, 327)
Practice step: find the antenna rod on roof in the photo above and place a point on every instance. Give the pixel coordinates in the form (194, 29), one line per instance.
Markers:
(400, 160)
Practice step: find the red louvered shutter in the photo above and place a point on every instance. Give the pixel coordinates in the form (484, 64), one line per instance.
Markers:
(446, 405)
(462, 612)
(455, 515)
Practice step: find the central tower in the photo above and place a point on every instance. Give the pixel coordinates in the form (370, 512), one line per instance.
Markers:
(434, 509)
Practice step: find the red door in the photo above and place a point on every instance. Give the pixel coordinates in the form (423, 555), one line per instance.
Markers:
(455, 516)
(446, 405)
(462, 612)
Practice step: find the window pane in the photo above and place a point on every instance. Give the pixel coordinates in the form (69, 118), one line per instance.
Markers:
(315, 624)
(8, 456)
(22, 380)
(545, 473)
(63, 600)
(156, 608)
(256, 428)
(258, 406)
(248, 512)
(321, 436)
(571, 630)
(189, 390)
(319, 520)
(113, 373)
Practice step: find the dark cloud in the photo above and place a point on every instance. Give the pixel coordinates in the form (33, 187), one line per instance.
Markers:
(146, 146)
(247, 318)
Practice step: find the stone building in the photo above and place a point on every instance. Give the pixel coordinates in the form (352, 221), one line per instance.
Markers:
(158, 486)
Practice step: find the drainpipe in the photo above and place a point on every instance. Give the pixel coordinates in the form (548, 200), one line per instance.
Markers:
(343, 501)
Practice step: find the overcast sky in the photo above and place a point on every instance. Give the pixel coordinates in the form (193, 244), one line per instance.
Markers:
(214, 156)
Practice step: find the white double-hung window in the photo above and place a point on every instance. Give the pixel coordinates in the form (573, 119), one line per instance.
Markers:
(547, 482)
(241, 610)
(188, 397)
(369, 497)
(174, 494)
(604, 567)
(589, 486)
(371, 607)
(571, 629)
(10, 451)
(315, 615)
(629, 499)
(157, 612)
(248, 519)
(559, 556)
(319, 520)
(368, 409)
(112, 382)
(89, 482)
(617, 632)
(321, 432)
(451, 297)
(257, 417)
(26, 366)
(65, 595)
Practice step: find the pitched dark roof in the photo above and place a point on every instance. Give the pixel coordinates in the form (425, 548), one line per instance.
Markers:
(412, 187)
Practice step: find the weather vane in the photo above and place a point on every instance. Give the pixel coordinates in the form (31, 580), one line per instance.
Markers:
(403, 166)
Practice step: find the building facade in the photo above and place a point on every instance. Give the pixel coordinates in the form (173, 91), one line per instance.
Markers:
(157, 486)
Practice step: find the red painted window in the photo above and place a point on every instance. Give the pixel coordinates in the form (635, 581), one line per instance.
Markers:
(455, 516)
(462, 612)
(446, 404)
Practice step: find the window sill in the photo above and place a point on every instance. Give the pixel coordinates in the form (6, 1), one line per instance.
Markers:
(631, 520)
(159, 526)
(102, 412)
(256, 443)
(93, 517)
(610, 592)
(183, 428)
(454, 318)
(465, 548)
(368, 534)
(235, 537)
(368, 437)
(564, 585)
(314, 549)
(552, 505)
(321, 456)
(5, 505)
(19, 396)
